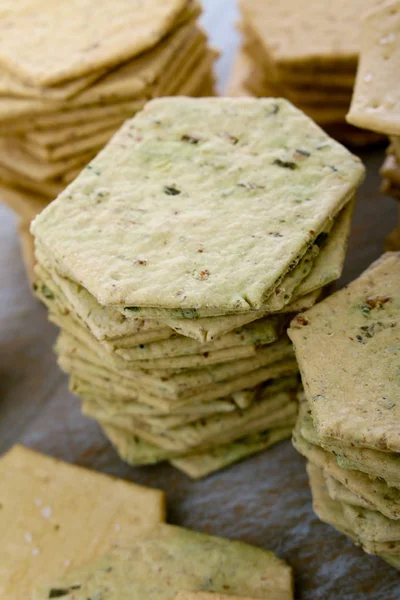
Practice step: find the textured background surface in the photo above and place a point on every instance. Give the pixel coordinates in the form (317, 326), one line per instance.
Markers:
(264, 500)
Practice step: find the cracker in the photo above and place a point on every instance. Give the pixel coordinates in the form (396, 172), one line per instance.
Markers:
(340, 80)
(376, 99)
(48, 189)
(14, 156)
(209, 328)
(202, 464)
(78, 48)
(70, 175)
(131, 82)
(132, 449)
(391, 169)
(56, 118)
(377, 493)
(389, 188)
(25, 204)
(133, 79)
(328, 510)
(371, 525)
(376, 464)
(56, 136)
(111, 406)
(316, 90)
(12, 86)
(69, 149)
(103, 92)
(280, 297)
(221, 285)
(394, 561)
(329, 263)
(392, 241)
(27, 248)
(352, 386)
(193, 72)
(304, 302)
(323, 114)
(341, 515)
(353, 137)
(104, 323)
(184, 560)
(337, 491)
(257, 333)
(395, 145)
(333, 41)
(236, 87)
(321, 76)
(344, 518)
(42, 537)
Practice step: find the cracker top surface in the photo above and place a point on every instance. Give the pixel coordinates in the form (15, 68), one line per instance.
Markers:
(348, 349)
(171, 559)
(46, 42)
(198, 203)
(376, 99)
(55, 516)
(307, 31)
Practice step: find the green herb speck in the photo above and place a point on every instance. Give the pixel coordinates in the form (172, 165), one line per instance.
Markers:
(171, 190)
(285, 164)
(60, 592)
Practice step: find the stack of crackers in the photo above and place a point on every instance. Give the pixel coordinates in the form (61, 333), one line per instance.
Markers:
(305, 51)
(173, 263)
(376, 100)
(72, 72)
(348, 349)
(57, 517)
